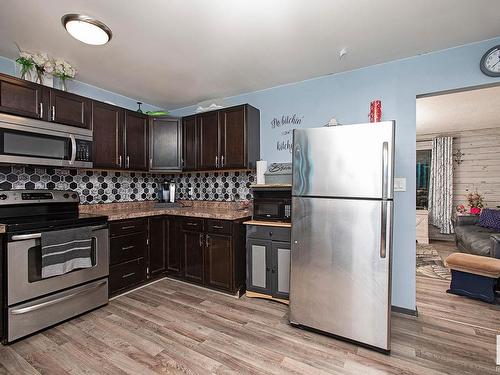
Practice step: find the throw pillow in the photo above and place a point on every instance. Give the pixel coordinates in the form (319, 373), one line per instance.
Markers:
(490, 219)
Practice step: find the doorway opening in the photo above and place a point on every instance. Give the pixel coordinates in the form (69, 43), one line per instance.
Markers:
(457, 177)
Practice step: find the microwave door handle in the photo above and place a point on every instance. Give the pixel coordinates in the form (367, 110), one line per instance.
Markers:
(73, 149)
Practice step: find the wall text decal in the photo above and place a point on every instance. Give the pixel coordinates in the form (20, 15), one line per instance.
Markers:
(285, 143)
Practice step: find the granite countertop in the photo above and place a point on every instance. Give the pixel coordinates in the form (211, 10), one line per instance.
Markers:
(202, 209)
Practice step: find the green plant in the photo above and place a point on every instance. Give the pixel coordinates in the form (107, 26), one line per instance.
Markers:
(25, 59)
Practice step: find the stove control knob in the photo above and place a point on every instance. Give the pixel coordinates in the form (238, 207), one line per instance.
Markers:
(74, 196)
(66, 195)
(3, 197)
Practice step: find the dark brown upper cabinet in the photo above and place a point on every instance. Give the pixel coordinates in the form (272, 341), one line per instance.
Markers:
(120, 138)
(22, 98)
(136, 141)
(208, 140)
(165, 142)
(189, 144)
(233, 137)
(225, 139)
(70, 109)
(108, 129)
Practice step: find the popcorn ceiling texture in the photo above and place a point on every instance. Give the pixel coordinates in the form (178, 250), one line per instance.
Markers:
(111, 186)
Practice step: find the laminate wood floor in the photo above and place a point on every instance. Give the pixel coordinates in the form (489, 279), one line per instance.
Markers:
(172, 327)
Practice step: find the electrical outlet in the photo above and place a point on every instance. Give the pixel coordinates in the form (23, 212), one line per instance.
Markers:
(399, 184)
(191, 192)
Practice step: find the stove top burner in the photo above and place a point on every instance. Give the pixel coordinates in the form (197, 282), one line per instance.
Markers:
(37, 210)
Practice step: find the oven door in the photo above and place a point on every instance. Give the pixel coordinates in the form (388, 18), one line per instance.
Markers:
(55, 146)
(24, 280)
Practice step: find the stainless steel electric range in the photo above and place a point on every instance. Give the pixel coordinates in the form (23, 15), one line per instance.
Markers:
(31, 302)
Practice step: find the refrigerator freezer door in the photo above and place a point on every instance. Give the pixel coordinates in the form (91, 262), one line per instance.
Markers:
(352, 161)
(340, 271)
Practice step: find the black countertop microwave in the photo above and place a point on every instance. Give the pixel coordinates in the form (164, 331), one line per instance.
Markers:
(270, 204)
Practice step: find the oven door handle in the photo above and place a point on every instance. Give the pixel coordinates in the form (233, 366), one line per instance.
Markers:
(32, 236)
(73, 149)
(39, 306)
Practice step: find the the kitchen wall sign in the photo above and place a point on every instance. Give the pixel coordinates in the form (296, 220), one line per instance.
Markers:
(284, 142)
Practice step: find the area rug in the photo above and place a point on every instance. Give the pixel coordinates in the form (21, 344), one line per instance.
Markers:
(430, 264)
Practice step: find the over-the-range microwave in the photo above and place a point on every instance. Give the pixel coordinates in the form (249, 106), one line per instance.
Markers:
(31, 141)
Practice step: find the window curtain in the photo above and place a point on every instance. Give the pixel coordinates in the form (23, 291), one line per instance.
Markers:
(441, 184)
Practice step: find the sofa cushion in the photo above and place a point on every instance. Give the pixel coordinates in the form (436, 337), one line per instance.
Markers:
(490, 219)
(464, 232)
(477, 265)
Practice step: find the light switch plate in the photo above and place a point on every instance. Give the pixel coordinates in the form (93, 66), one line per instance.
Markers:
(399, 184)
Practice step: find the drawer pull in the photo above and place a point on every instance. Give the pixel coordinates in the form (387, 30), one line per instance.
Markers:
(128, 275)
(128, 227)
(192, 224)
(217, 227)
(128, 247)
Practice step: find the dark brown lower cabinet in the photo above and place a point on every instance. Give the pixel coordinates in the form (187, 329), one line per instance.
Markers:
(158, 244)
(193, 256)
(201, 251)
(126, 275)
(218, 260)
(128, 254)
(173, 250)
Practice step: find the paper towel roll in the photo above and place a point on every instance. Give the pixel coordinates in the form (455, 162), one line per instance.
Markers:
(261, 169)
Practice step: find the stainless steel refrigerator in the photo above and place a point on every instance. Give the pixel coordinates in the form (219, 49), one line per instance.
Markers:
(342, 209)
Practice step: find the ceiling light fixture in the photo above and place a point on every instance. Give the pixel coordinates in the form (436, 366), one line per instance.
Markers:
(86, 29)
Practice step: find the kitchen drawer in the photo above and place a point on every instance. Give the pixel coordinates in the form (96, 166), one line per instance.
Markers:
(219, 226)
(268, 233)
(128, 247)
(126, 274)
(192, 224)
(120, 228)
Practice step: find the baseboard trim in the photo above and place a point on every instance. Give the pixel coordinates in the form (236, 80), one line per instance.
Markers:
(404, 310)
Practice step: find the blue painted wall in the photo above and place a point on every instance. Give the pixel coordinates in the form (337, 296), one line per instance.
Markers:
(346, 96)
(7, 66)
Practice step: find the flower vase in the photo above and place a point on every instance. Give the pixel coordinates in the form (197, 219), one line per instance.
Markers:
(24, 72)
(62, 85)
(39, 76)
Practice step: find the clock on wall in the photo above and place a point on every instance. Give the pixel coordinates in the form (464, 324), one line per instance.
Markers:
(490, 62)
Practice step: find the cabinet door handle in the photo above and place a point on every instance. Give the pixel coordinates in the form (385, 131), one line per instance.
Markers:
(222, 161)
(120, 161)
(217, 227)
(216, 162)
(207, 240)
(128, 162)
(150, 162)
(128, 247)
(40, 109)
(128, 275)
(53, 113)
(192, 224)
(128, 227)
(201, 239)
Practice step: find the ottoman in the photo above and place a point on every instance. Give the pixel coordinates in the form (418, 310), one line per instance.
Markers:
(473, 276)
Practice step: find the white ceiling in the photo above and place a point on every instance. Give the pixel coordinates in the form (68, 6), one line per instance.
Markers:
(466, 110)
(180, 52)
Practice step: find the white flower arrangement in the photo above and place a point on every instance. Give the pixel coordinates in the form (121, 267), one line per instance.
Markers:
(43, 64)
(63, 70)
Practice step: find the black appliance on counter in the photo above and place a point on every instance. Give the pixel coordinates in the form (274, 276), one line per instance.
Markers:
(29, 302)
(272, 203)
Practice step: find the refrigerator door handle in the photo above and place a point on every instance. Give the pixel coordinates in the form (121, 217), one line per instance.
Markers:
(385, 169)
(383, 231)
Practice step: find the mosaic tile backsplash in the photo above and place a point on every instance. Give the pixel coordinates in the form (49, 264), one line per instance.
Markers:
(112, 186)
